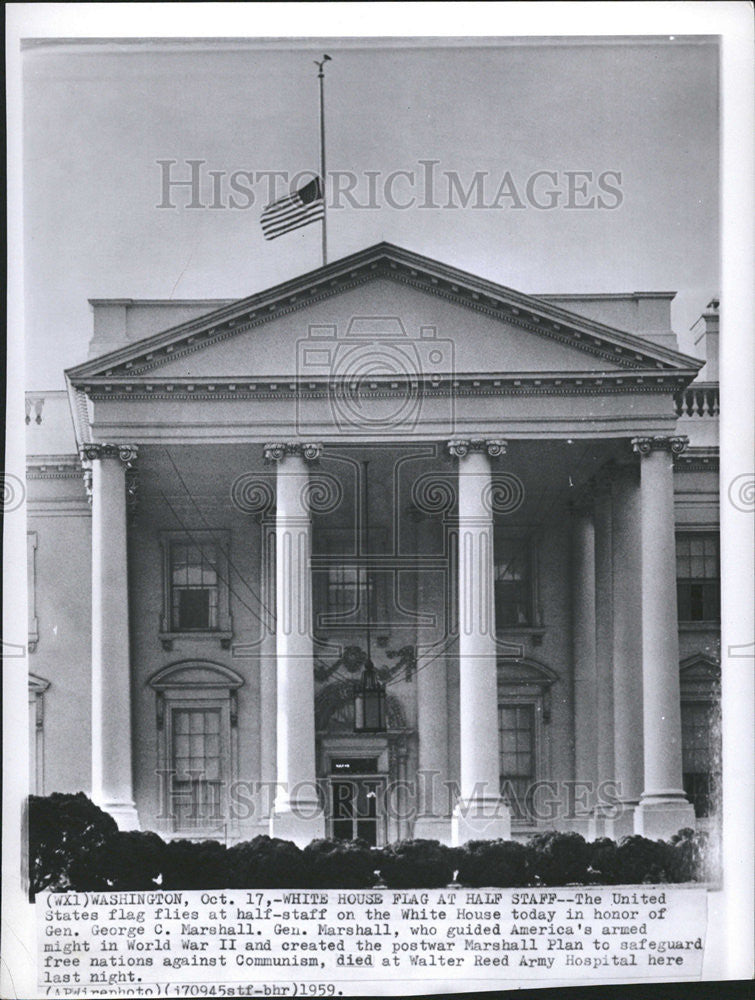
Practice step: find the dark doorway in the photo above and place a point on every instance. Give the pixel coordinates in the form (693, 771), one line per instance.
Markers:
(356, 800)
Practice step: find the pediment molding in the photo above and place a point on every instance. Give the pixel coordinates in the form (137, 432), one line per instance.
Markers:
(195, 674)
(526, 672)
(629, 352)
(284, 387)
(38, 685)
(700, 678)
(700, 667)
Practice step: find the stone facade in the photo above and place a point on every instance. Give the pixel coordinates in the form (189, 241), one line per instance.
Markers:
(480, 490)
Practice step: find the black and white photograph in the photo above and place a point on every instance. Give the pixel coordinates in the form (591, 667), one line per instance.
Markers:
(378, 499)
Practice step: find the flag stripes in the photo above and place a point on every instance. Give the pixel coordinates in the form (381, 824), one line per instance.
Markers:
(299, 209)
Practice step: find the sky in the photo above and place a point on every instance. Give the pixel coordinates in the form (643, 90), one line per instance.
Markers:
(99, 117)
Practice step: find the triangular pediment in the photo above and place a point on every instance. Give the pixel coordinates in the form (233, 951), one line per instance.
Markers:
(700, 667)
(426, 319)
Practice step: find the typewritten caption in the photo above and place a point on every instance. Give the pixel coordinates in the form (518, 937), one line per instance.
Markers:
(338, 942)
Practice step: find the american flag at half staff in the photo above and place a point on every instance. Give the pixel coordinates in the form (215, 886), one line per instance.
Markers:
(299, 209)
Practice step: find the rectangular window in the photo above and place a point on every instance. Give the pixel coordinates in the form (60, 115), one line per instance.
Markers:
(194, 587)
(698, 578)
(349, 592)
(700, 774)
(197, 761)
(516, 751)
(513, 583)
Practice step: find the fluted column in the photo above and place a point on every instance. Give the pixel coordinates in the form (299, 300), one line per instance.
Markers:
(627, 647)
(480, 812)
(583, 646)
(297, 814)
(112, 776)
(663, 808)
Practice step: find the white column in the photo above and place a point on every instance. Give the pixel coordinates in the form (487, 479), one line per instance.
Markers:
(267, 697)
(603, 642)
(432, 719)
(433, 821)
(297, 814)
(583, 651)
(663, 808)
(481, 812)
(627, 648)
(112, 778)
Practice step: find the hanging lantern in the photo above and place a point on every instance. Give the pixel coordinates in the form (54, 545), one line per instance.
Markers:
(369, 702)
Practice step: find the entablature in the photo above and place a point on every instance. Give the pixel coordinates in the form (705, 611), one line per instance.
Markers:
(102, 388)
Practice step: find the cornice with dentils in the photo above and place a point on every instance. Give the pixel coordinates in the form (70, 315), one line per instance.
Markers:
(384, 260)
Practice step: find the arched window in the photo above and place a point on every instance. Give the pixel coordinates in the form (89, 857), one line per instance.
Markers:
(196, 714)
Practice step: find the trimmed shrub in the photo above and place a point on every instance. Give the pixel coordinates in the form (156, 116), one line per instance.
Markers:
(190, 864)
(558, 858)
(493, 862)
(75, 845)
(603, 862)
(126, 860)
(417, 864)
(339, 864)
(265, 863)
(642, 860)
(65, 833)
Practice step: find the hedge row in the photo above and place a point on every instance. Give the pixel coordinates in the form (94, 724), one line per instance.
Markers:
(75, 845)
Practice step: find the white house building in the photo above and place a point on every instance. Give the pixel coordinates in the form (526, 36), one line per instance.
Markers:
(387, 550)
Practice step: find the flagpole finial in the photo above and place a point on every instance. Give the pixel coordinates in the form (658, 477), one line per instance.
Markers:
(321, 62)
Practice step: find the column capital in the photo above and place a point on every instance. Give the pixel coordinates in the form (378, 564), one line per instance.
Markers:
(92, 451)
(278, 450)
(676, 444)
(126, 453)
(460, 447)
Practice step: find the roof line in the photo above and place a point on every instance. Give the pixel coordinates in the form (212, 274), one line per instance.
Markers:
(399, 255)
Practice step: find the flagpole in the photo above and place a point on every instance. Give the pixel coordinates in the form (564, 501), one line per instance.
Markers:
(321, 78)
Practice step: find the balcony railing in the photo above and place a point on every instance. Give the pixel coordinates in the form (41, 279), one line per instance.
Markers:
(700, 400)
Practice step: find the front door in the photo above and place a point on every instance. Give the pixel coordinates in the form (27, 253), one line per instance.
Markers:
(356, 800)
